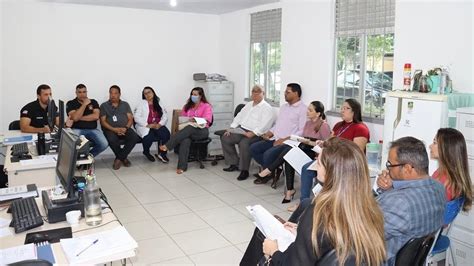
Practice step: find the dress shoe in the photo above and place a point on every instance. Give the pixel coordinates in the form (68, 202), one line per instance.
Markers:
(231, 168)
(149, 156)
(126, 163)
(243, 175)
(289, 195)
(117, 164)
(263, 180)
(163, 158)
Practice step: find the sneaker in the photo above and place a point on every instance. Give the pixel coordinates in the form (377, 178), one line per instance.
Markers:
(148, 156)
(163, 158)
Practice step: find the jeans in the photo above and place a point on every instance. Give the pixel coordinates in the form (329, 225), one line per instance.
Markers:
(307, 178)
(96, 137)
(265, 153)
(161, 134)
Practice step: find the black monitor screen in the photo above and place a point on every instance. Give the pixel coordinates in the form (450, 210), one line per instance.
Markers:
(67, 157)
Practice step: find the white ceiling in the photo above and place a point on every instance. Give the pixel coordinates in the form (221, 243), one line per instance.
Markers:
(193, 6)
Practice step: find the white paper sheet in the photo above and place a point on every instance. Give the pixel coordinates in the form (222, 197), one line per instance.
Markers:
(271, 227)
(292, 143)
(4, 222)
(297, 158)
(41, 160)
(18, 253)
(200, 121)
(5, 231)
(312, 166)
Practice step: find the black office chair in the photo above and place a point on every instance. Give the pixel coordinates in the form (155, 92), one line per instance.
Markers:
(330, 259)
(14, 125)
(36, 262)
(415, 251)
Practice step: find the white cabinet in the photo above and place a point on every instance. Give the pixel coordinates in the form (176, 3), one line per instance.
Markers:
(462, 231)
(221, 96)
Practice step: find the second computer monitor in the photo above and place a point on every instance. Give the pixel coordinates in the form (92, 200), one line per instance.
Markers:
(67, 157)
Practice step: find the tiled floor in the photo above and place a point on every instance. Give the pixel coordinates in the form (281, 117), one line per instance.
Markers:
(197, 218)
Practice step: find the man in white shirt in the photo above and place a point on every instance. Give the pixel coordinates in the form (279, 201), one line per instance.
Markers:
(251, 122)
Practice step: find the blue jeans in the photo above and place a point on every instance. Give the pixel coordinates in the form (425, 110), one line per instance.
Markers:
(307, 178)
(161, 135)
(96, 137)
(265, 153)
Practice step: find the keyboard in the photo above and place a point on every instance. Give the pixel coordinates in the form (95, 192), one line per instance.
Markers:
(25, 214)
(20, 149)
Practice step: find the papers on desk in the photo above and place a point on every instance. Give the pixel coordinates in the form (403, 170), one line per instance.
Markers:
(41, 160)
(16, 192)
(18, 253)
(271, 227)
(18, 139)
(297, 158)
(109, 242)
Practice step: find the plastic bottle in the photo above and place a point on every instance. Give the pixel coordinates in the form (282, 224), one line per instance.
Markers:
(443, 81)
(407, 77)
(92, 206)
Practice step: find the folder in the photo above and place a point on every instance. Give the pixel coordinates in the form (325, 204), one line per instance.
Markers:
(45, 252)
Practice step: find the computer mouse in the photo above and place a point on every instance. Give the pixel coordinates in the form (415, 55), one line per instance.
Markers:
(37, 238)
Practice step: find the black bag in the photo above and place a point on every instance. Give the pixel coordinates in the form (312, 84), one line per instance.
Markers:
(3, 178)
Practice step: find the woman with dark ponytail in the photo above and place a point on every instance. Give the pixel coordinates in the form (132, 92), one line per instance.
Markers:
(316, 128)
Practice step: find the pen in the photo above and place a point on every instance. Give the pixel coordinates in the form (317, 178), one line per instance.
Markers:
(95, 241)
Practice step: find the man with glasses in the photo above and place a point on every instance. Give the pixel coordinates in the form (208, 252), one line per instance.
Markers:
(83, 114)
(412, 202)
(254, 120)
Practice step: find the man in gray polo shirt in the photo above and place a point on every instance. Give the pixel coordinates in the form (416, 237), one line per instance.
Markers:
(116, 119)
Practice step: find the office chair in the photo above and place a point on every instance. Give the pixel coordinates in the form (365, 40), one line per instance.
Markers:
(415, 251)
(441, 246)
(330, 259)
(14, 125)
(36, 262)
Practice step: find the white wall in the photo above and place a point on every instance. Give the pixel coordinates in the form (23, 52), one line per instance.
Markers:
(434, 33)
(63, 45)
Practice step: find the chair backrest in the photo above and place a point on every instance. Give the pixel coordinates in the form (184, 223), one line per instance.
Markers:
(14, 125)
(330, 259)
(238, 108)
(452, 209)
(415, 251)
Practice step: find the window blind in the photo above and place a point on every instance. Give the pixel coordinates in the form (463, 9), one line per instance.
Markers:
(265, 26)
(354, 17)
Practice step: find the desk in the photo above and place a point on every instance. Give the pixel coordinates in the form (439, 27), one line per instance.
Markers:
(43, 175)
(60, 257)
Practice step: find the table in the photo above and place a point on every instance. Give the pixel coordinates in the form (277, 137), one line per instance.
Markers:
(109, 221)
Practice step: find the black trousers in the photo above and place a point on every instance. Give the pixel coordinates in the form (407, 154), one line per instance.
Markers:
(128, 141)
(183, 138)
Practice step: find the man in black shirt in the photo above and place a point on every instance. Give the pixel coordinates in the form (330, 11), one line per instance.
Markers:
(34, 116)
(83, 114)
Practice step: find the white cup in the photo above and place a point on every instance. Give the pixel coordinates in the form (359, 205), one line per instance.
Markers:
(72, 217)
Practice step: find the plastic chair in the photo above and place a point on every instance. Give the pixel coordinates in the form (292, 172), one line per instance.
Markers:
(415, 251)
(14, 125)
(438, 253)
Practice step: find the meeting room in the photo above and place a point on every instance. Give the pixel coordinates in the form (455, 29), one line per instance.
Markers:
(236, 132)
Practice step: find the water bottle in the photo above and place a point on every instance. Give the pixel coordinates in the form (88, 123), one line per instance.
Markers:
(41, 145)
(373, 153)
(443, 81)
(92, 206)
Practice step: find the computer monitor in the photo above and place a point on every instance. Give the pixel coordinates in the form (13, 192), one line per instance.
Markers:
(66, 162)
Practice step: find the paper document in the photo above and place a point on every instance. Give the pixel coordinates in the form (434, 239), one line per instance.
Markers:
(317, 188)
(297, 138)
(297, 158)
(200, 121)
(4, 222)
(271, 227)
(18, 253)
(312, 166)
(317, 149)
(5, 231)
(108, 243)
(41, 160)
(292, 143)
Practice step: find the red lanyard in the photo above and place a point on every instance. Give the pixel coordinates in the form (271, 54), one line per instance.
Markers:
(344, 130)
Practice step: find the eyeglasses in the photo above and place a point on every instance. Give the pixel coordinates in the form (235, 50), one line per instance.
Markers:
(345, 108)
(389, 165)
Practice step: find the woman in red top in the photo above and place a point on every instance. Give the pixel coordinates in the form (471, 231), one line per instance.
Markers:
(449, 148)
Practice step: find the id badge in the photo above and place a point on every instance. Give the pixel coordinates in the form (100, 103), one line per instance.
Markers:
(114, 118)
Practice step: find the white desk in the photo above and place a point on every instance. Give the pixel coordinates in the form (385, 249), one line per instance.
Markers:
(60, 257)
(43, 175)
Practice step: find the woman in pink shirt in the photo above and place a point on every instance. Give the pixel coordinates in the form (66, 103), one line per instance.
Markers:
(449, 148)
(197, 106)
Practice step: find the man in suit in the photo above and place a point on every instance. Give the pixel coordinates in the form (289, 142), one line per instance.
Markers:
(412, 202)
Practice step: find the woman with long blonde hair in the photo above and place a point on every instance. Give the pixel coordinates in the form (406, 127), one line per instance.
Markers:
(344, 216)
(449, 148)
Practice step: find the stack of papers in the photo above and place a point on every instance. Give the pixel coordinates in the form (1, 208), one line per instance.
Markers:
(16, 192)
(81, 250)
(18, 253)
(41, 160)
(271, 227)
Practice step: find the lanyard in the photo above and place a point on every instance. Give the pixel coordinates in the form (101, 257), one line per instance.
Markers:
(344, 130)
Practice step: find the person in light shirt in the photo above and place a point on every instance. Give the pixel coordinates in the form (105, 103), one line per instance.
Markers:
(255, 118)
(290, 121)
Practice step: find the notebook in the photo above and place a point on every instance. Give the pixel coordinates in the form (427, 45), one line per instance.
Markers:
(44, 251)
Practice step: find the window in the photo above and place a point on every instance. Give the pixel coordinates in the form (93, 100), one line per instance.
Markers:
(265, 52)
(364, 53)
